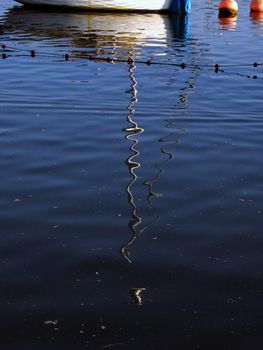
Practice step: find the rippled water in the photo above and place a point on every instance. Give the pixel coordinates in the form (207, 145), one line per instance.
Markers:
(131, 195)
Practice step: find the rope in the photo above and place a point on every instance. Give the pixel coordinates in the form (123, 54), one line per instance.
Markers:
(6, 52)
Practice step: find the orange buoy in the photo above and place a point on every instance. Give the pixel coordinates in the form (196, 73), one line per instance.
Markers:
(256, 5)
(228, 8)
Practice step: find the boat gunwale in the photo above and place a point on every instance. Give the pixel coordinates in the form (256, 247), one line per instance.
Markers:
(70, 8)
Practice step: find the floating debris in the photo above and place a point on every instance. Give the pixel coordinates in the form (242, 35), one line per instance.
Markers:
(111, 345)
(136, 294)
(51, 322)
(17, 200)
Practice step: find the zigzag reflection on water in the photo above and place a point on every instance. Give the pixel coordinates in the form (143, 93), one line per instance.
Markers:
(132, 132)
(181, 29)
(132, 164)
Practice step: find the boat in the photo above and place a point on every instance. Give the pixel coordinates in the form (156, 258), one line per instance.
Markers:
(180, 6)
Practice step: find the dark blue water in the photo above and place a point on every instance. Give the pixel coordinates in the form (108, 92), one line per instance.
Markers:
(131, 195)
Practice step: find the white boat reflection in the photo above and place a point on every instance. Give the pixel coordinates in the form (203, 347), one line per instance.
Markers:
(118, 32)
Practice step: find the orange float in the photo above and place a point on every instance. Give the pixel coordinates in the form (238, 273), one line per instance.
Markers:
(228, 8)
(256, 5)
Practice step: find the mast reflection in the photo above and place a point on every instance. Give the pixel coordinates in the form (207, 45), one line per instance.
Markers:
(180, 29)
(132, 164)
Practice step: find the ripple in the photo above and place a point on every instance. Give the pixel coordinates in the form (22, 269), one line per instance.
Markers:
(131, 194)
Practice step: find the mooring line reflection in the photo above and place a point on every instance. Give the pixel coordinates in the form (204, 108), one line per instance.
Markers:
(150, 183)
(172, 138)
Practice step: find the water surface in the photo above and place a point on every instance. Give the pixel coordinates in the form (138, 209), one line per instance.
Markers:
(131, 194)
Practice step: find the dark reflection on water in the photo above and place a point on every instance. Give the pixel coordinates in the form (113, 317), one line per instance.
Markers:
(131, 195)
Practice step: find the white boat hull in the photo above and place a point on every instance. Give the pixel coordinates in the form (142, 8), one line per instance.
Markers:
(109, 5)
